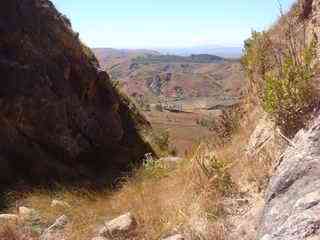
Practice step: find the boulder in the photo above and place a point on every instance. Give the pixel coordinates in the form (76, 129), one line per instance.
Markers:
(292, 210)
(119, 226)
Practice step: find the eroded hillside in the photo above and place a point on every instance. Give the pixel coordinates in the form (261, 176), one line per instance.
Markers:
(153, 77)
(176, 93)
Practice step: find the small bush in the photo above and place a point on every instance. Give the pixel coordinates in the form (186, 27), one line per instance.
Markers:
(162, 139)
(215, 169)
(289, 94)
(153, 168)
(224, 125)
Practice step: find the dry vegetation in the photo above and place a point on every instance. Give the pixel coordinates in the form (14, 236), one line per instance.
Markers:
(187, 198)
(16, 232)
(163, 201)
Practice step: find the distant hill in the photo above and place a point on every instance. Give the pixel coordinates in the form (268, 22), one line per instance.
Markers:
(109, 56)
(176, 92)
(151, 76)
(195, 58)
(105, 52)
(221, 51)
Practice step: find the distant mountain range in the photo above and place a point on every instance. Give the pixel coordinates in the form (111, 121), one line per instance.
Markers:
(168, 58)
(221, 51)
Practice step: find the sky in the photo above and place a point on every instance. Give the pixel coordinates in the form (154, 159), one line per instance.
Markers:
(168, 23)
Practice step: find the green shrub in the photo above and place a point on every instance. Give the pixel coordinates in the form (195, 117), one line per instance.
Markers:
(217, 170)
(280, 73)
(153, 168)
(224, 125)
(255, 53)
(162, 139)
(289, 94)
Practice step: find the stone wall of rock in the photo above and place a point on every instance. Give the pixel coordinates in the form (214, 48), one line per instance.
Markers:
(60, 118)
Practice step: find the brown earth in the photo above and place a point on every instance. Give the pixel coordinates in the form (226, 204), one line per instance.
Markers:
(184, 131)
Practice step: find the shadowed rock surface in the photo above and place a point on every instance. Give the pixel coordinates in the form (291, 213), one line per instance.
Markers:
(292, 208)
(60, 118)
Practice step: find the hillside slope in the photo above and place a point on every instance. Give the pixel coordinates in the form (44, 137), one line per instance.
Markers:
(61, 120)
(175, 92)
(150, 75)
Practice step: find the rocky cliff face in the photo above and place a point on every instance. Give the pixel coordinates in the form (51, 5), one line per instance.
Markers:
(60, 118)
(292, 208)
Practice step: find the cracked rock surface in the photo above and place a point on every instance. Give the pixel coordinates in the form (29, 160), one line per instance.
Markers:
(292, 208)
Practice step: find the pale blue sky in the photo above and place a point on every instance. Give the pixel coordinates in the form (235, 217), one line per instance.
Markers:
(168, 23)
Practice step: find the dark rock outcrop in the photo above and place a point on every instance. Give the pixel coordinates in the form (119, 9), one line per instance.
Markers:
(60, 118)
(292, 208)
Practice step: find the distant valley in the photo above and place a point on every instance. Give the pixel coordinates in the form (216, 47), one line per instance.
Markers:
(175, 91)
(150, 75)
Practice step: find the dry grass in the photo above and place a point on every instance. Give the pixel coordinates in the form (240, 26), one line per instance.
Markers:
(186, 199)
(248, 172)
(9, 233)
(13, 232)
